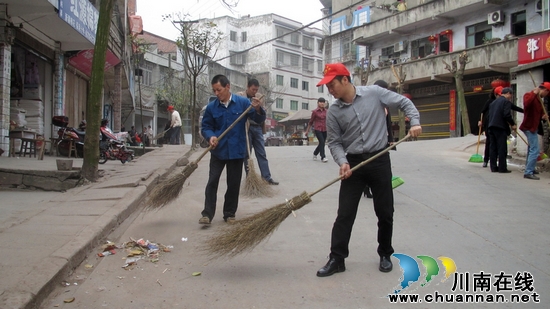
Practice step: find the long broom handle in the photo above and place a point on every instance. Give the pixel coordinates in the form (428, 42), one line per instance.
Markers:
(479, 133)
(224, 133)
(523, 139)
(361, 164)
(540, 99)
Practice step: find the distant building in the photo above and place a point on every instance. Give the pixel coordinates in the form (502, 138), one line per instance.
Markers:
(288, 63)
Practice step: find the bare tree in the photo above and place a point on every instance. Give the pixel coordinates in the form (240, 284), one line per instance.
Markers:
(197, 42)
(93, 108)
(458, 73)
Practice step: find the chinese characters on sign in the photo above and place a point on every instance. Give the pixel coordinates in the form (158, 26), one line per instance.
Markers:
(452, 110)
(534, 48)
(81, 15)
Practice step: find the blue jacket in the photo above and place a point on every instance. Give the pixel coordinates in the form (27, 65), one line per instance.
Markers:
(217, 118)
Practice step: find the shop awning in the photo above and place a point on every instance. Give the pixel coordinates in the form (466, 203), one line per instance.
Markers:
(83, 61)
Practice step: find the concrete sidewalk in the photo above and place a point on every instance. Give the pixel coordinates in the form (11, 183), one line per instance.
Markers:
(44, 235)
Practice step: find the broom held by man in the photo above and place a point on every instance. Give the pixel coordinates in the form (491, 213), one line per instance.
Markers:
(356, 126)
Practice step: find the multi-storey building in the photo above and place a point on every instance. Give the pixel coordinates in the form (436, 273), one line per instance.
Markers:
(422, 35)
(46, 48)
(282, 54)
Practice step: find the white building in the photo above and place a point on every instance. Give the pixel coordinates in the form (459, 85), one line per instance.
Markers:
(284, 56)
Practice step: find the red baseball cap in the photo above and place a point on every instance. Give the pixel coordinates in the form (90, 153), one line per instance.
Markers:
(498, 90)
(546, 85)
(331, 71)
(170, 108)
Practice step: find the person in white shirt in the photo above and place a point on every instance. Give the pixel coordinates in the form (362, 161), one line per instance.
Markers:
(175, 125)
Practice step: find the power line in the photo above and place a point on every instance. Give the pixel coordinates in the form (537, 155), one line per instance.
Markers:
(293, 31)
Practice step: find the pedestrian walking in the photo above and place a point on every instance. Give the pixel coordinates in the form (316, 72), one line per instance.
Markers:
(175, 125)
(532, 116)
(256, 133)
(228, 152)
(357, 130)
(319, 122)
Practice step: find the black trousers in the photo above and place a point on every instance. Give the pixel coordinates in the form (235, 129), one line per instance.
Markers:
(377, 175)
(234, 176)
(499, 149)
(487, 152)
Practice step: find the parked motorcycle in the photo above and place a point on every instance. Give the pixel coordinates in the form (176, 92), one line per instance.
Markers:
(67, 135)
(111, 149)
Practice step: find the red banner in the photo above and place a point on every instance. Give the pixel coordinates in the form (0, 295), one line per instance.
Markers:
(452, 110)
(534, 48)
(83, 61)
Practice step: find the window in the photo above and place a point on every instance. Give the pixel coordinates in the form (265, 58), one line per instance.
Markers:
(320, 45)
(295, 60)
(519, 23)
(421, 48)
(307, 43)
(305, 85)
(243, 36)
(320, 66)
(280, 32)
(147, 77)
(237, 59)
(320, 89)
(295, 38)
(280, 81)
(305, 105)
(280, 58)
(233, 36)
(307, 64)
(279, 103)
(293, 82)
(293, 105)
(478, 34)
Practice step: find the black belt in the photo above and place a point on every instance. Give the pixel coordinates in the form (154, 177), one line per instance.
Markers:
(363, 156)
(254, 124)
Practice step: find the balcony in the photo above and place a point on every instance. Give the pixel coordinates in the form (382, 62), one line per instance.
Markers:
(426, 16)
(499, 56)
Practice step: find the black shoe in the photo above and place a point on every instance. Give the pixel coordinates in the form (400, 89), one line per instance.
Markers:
(484, 164)
(385, 264)
(333, 266)
(272, 182)
(535, 173)
(505, 171)
(531, 176)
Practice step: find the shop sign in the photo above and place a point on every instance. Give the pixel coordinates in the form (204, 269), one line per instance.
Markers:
(81, 15)
(83, 61)
(478, 88)
(534, 48)
(452, 110)
(279, 115)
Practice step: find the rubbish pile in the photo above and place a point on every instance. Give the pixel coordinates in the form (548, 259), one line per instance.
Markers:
(136, 250)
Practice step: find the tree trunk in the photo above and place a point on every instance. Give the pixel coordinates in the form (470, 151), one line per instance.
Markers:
(93, 108)
(194, 113)
(462, 105)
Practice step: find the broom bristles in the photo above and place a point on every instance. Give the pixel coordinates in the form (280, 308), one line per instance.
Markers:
(245, 234)
(254, 185)
(169, 189)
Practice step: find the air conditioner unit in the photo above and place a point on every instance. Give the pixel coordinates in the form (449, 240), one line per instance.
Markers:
(495, 18)
(538, 6)
(399, 47)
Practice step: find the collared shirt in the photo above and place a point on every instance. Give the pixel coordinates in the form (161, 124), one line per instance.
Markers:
(360, 127)
(318, 119)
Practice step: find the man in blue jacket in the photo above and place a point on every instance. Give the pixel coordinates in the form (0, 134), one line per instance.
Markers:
(230, 151)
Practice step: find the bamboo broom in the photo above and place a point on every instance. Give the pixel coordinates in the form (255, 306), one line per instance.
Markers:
(254, 185)
(171, 188)
(245, 234)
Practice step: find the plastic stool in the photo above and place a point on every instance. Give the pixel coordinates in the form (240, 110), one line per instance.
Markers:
(28, 146)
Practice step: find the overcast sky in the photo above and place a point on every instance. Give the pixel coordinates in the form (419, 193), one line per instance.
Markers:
(151, 11)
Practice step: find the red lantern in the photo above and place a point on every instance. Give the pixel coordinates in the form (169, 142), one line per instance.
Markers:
(408, 96)
(499, 82)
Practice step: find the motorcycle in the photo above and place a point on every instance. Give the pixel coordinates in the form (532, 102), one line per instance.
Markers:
(67, 135)
(110, 149)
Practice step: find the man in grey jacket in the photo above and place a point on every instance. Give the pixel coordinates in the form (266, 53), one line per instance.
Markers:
(356, 127)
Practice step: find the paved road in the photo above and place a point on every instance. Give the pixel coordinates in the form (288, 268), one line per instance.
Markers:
(485, 222)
